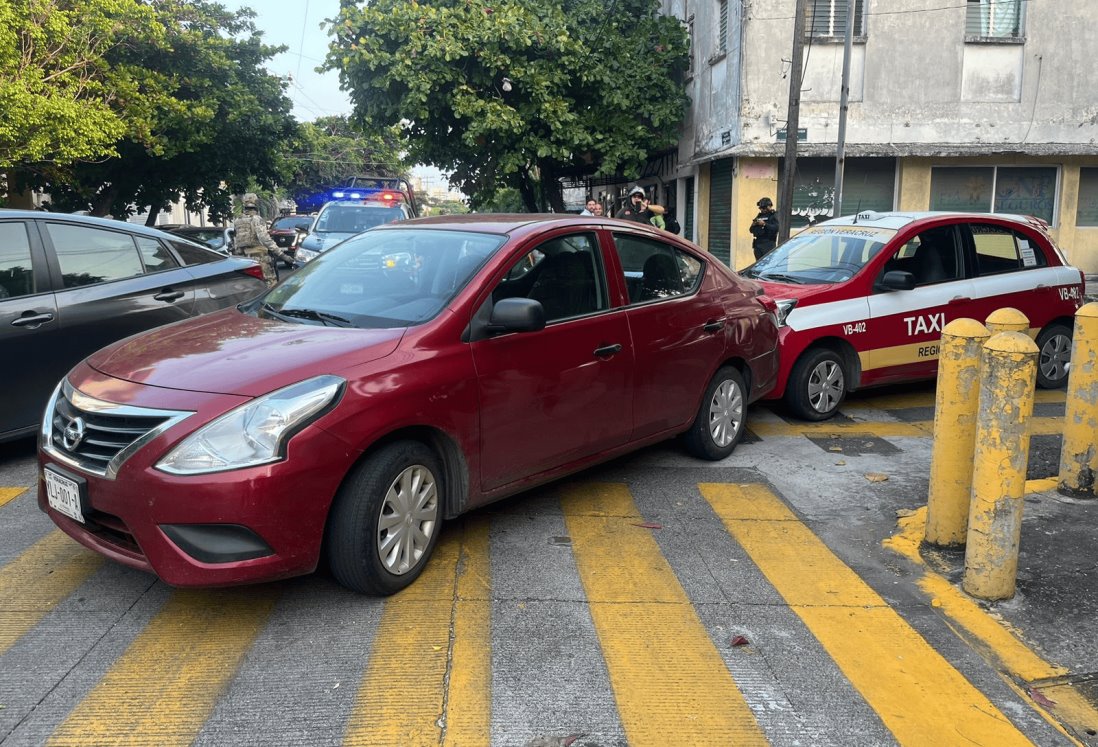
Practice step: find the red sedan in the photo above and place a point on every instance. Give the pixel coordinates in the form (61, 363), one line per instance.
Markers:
(415, 372)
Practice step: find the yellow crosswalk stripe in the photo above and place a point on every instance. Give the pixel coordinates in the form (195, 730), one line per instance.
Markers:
(669, 681)
(164, 687)
(402, 699)
(36, 581)
(10, 494)
(883, 429)
(918, 695)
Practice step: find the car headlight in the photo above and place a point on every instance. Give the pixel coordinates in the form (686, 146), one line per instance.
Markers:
(306, 255)
(254, 433)
(785, 305)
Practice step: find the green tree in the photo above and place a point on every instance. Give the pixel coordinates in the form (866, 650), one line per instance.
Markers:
(219, 124)
(513, 92)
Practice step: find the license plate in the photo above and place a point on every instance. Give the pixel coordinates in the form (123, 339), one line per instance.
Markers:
(63, 495)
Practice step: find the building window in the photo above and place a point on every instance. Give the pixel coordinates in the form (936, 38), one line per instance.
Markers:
(722, 28)
(1023, 190)
(1087, 214)
(827, 18)
(993, 19)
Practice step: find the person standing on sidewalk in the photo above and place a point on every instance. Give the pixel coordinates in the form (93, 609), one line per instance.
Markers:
(638, 208)
(252, 240)
(764, 228)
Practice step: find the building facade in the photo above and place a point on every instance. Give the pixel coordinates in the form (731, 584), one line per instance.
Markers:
(976, 105)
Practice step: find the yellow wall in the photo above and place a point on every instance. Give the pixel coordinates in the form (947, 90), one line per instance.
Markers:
(753, 179)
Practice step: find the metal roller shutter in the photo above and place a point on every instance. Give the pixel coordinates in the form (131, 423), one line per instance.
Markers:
(720, 209)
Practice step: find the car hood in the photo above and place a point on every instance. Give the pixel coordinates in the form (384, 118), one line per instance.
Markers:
(802, 293)
(229, 352)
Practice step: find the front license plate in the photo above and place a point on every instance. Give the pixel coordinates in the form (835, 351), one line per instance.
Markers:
(63, 495)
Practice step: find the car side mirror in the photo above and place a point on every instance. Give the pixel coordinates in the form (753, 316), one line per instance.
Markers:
(897, 280)
(516, 315)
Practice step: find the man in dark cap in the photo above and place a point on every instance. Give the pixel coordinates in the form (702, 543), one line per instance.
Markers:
(764, 228)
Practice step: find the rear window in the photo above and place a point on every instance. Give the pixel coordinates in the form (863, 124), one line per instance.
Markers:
(1000, 249)
(355, 218)
(192, 254)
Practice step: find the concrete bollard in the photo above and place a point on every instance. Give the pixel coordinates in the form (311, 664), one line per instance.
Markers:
(1008, 378)
(955, 404)
(1007, 319)
(1079, 454)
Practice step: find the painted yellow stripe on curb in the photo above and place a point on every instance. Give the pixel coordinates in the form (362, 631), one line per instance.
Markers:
(918, 695)
(403, 696)
(9, 494)
(164, 687)
(669, 681)
(918, 429)
(867, 400)
(36, 581)
(1042, 485)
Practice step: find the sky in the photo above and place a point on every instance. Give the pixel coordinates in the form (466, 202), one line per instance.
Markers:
(297, 26)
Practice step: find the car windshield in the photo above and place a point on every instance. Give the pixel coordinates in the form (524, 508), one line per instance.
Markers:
(390, 278)
(821, 254)
(355, 218)
(290, 223)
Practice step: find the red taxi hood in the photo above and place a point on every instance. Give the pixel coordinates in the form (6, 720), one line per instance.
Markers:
(228, 352)
(802, 293)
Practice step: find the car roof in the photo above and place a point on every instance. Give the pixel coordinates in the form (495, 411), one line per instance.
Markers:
(506, 223)
(897, 219)
(84, 220)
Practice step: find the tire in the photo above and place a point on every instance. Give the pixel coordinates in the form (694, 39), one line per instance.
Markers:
(371, 547)
(817, 385)
(719, 424)
(1054, 358)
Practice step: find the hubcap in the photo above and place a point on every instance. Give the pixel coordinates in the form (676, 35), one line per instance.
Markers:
(825, 386)
(1056, 357)
(726, 413)
(409, 515)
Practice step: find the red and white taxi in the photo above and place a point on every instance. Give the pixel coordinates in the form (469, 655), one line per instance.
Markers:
(863, 298)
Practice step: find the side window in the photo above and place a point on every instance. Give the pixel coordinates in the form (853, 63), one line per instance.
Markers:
(92, 255)
(155, 255)
(16, 269)
(195, 255)
(654, 270)
(932, 257)
(1002, 250)
(563, 274)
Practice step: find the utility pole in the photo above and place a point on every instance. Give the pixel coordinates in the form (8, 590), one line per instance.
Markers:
(792, 122)
(844, 98)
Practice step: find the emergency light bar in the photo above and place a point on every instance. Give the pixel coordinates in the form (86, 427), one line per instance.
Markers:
(385, 195)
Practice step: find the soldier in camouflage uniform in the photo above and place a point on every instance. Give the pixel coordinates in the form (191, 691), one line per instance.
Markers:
(252, 240)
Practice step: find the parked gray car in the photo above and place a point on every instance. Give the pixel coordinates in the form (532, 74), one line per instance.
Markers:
(70, 285)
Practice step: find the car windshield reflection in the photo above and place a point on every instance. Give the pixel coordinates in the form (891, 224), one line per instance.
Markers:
(821, 255)
(387, 278)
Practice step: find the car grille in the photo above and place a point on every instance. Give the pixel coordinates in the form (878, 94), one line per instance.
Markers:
(284, 240)
(99, 436)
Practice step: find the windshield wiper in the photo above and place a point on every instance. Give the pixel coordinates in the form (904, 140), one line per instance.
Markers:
(780, 277)
(316, 316)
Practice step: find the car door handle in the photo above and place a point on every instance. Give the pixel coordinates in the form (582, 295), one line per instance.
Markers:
(960, 299)
(713, 326)
(169, 295)
(32, 321)
(607, 350)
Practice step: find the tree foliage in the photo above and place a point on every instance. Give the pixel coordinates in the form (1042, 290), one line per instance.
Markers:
(217, 122)
(594, 85)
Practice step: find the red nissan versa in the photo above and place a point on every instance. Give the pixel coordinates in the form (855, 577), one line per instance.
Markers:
(414, 372)
(863, 299)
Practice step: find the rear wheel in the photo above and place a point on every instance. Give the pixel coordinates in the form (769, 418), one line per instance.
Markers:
(719, 424)
(1054, 356)
(386, 519)
(817, 385)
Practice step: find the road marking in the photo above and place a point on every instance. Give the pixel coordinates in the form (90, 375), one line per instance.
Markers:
(918, 695)
(9, 494)
(36, 581)
(669, 681)
(417, 664)
(920, 429)
(164, 687)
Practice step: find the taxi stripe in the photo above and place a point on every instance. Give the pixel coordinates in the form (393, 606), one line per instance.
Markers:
(164, 687)
(670, 682)
(36, 581)
(917, 694)
(9, 494)
(404, 691)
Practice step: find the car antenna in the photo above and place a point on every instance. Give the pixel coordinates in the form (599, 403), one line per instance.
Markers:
(857, 211)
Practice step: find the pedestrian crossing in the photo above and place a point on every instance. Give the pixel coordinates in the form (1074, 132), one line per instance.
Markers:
(607, 609)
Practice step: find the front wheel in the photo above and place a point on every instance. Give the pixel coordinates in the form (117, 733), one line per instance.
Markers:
(817, 385)
(1054, 356)
(386, 519)
(719, 424)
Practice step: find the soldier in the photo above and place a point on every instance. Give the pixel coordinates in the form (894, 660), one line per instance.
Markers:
(252, 240)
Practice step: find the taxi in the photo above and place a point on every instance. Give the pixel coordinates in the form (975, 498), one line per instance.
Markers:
(863, 299)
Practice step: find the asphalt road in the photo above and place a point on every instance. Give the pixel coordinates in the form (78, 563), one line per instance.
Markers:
(654, 600)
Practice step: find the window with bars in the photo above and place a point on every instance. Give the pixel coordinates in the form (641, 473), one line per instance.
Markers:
(722, 27)
(827, 18)
(993, 19)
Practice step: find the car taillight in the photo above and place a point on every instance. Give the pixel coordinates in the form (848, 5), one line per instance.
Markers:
(254, 270)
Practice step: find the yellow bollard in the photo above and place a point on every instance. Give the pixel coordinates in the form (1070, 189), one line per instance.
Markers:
(1078, 457)
(1008, 378)
(1007, 319)
(955, 405)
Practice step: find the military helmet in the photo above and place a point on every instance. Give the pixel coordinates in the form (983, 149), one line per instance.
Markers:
(250, 200)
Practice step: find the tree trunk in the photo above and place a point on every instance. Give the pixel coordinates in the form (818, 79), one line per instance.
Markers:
(552, 198)
(151, 220)
(101, 205)
(526, 189)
